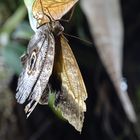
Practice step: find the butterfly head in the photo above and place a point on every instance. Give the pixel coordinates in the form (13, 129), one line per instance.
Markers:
(56, 28)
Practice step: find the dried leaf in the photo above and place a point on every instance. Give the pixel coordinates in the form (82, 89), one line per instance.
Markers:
(107, 30)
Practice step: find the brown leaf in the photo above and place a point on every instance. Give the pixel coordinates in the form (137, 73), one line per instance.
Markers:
(106, 27)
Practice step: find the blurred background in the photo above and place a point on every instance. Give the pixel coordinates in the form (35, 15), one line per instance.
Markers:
(105, 118)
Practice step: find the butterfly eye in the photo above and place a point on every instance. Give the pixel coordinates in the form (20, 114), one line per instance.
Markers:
(32, 62)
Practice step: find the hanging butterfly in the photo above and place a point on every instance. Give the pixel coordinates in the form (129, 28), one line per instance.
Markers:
(37, 68)
(73, 91)
(49, 54)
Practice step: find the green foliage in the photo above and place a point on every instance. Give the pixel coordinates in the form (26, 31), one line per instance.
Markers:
(10, 47)
(12, 53)
(51, 105)
(23, 32)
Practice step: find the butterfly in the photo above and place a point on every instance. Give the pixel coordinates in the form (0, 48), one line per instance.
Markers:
(37, 67)
(73, 91)
(53, 9)
(49, 55)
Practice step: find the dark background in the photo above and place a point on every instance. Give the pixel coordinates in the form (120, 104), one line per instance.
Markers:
(105, 118)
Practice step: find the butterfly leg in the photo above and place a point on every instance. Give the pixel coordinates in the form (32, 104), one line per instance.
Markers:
(29, 108)
(45, 96)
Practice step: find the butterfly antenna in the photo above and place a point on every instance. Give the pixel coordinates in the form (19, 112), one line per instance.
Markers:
(85, 41)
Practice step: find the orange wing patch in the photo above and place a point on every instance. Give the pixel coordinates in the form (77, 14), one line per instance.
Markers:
(53, 9)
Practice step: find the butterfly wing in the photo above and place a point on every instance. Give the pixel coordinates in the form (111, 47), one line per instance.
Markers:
(37, 68)
(55, 9)
(73, 91)
(28, 77)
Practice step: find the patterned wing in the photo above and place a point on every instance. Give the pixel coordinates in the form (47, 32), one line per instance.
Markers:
(54, 9)
(73, 91)
(38, 65)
